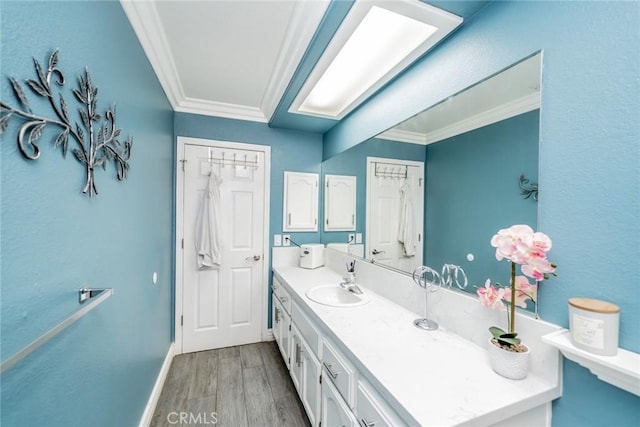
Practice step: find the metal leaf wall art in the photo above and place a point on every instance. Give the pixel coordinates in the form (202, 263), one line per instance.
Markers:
(94, 138)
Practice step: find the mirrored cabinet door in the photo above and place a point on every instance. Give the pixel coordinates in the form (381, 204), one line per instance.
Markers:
(300, 202)
(340, 203)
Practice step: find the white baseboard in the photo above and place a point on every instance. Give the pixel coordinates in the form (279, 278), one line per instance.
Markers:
(268, 335)
(157, 388)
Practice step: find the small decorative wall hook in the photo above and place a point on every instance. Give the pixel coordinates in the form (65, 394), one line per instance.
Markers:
(529, 189)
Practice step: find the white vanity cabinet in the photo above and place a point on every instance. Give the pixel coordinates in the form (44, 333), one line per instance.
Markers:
(335, 411)
(305, 374)
(281, 320)
(339, 203)
(300, 202)
(372, 410)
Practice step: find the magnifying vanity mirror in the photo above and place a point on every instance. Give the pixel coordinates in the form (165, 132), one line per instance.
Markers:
(435, 188)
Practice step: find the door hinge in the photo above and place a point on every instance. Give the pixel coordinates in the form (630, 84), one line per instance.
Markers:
(320, 379)
(181, 320)
(183, 161)
(182, 243)
(289, 327)
(419, 237)
(419, 182)
(316, 221)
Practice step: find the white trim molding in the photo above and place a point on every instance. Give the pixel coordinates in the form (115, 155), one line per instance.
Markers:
(502, 112)
(146, 22)
(147, 415)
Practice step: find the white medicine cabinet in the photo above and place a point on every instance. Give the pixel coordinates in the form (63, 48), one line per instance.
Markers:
(300, 202)
(339, 203)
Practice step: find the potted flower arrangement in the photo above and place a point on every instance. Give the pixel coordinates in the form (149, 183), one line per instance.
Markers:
(520, 245)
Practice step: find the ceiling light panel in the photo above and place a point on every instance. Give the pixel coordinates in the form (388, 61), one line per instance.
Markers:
(374, 43)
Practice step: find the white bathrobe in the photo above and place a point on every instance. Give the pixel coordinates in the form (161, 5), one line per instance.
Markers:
(406, 227)
(209, 226)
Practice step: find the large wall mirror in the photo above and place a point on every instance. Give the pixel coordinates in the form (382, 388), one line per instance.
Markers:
(446, 180)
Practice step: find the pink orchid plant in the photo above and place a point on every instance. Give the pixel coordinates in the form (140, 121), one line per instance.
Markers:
(520, 245)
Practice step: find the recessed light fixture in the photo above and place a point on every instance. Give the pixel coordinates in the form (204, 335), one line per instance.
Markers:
(375, 42)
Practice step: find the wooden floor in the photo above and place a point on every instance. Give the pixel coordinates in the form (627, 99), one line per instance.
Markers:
(242, 386)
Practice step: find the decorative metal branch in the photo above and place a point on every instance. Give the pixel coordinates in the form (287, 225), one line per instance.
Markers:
(96, 143)
(529, 189)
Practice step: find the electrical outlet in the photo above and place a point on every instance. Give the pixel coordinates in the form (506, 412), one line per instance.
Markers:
(352, 238)
(358, 238)
(277, 240)
(286, 240)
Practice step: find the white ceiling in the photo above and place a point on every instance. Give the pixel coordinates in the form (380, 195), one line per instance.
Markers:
(237, 58)
(225, 58)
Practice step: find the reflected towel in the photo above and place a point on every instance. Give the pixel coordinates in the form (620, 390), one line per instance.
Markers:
(208, 226)
(406, 233)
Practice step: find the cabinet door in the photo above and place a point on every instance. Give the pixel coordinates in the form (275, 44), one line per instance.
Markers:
(296, 359)
(340, 203)
(335, 411)
(311, 392)
(300, 211)
(372, 410)
(281, 326)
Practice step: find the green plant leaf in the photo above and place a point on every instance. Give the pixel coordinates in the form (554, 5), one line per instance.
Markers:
(496, 332)
(508, 341)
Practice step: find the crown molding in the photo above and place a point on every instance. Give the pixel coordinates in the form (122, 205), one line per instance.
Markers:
(306, 18)
(403, 136)
(220, 109)
(146, 23)
(502, 112)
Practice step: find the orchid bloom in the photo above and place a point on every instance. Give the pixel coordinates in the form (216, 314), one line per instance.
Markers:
(524, 292)
(491, 296)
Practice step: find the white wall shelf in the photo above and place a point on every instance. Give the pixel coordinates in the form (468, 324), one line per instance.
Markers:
(621, 370)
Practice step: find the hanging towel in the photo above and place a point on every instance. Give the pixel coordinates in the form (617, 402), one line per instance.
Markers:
(208, 226)
(406, 233)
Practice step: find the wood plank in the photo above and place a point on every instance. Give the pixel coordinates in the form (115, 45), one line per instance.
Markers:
(261, 410)
(175, 390)
(250, 355)
(205, 376)
(230, 401)
(228, 352)
(277, 373)
(202, 411)
(291, 413)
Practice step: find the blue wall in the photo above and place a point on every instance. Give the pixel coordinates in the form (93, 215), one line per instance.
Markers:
(354, 162)
(472, 191)
(100, 371)
(589, 171)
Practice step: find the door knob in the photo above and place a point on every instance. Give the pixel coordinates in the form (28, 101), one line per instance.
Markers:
(377, 252)
(255, 258)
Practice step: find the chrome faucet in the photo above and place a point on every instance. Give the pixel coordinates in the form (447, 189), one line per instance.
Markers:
(351, 287)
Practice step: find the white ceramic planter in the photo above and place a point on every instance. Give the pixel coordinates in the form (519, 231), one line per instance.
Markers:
(509, 364)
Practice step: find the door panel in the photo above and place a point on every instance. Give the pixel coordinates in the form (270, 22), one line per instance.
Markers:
(222, 307)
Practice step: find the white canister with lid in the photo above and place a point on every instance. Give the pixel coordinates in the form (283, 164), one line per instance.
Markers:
(594, 325)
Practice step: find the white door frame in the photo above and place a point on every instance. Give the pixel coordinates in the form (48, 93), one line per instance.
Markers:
(181, 142)
(371, 160)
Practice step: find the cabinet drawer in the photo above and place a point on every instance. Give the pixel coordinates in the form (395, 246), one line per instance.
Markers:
(372, 411)
(281, 293)
(307, 328)
(338, 371)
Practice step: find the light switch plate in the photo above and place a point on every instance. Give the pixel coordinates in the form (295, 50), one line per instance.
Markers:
(358, 238)
(277, 240)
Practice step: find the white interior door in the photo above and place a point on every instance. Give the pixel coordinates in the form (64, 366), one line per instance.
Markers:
(223, 306)
(383, 210)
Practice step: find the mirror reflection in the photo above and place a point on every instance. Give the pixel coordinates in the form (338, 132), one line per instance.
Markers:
(434, 189)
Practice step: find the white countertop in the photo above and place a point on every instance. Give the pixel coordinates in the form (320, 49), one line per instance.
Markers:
(433, 378)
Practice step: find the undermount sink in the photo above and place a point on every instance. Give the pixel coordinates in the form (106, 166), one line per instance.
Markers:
(335, 296)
